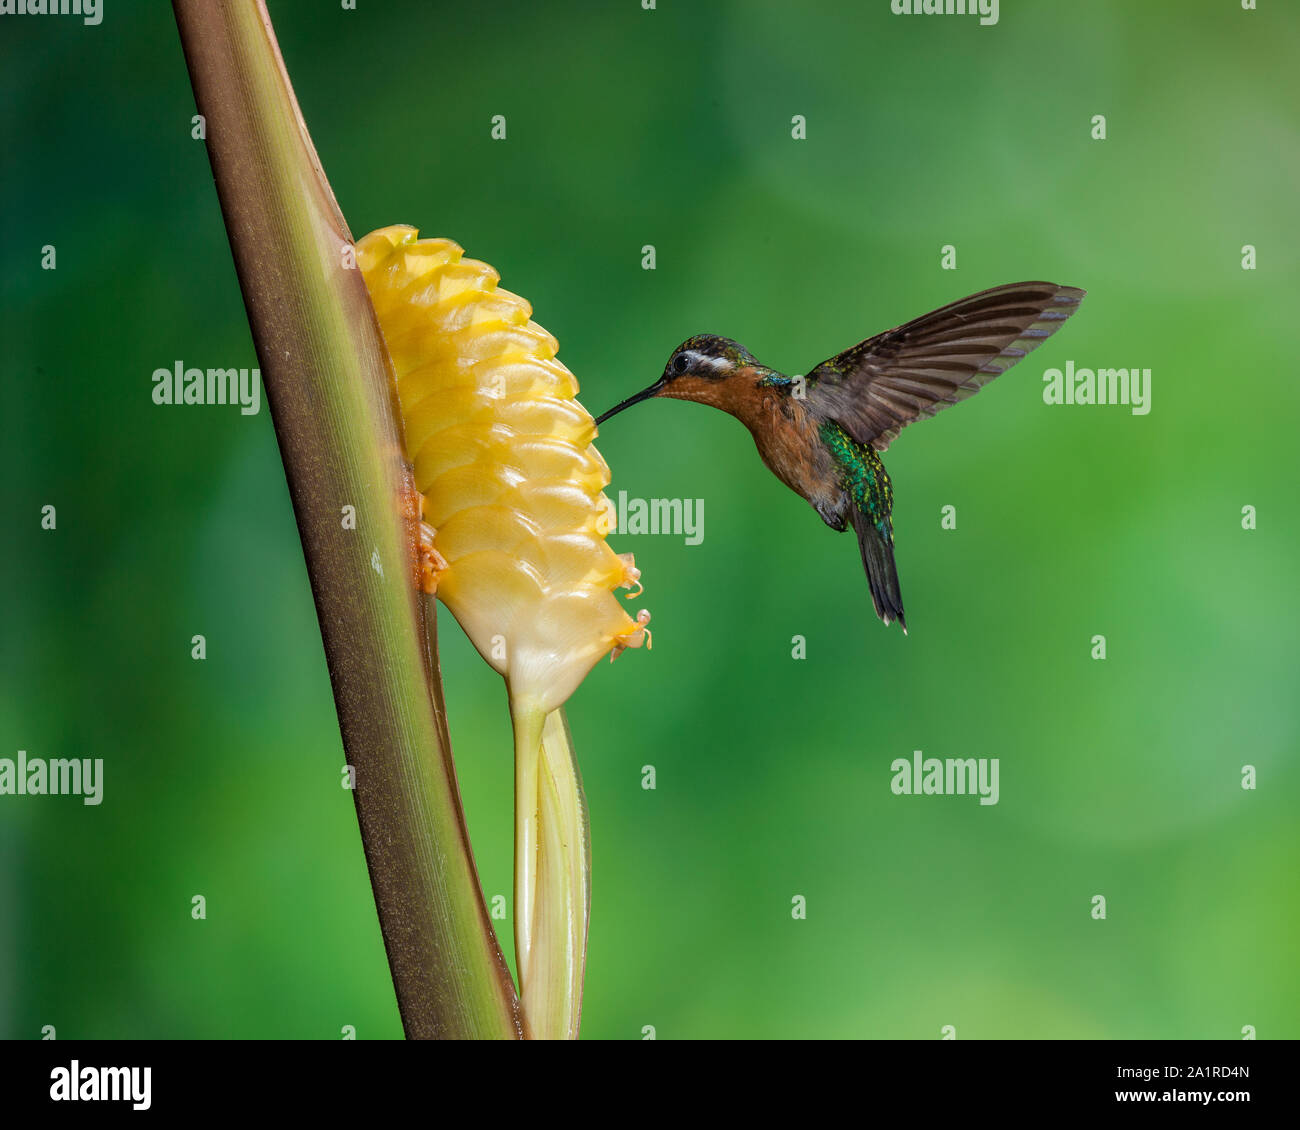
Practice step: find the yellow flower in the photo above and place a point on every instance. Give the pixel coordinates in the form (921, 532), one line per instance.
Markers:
(512, 492)
(502, 454)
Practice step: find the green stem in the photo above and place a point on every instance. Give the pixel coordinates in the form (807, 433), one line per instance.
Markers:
(331, 393)
(552, 873)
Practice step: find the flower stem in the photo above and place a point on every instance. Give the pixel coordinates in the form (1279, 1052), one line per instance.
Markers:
(552, 873)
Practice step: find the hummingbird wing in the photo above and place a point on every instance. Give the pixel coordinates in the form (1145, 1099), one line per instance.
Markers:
(880, 385)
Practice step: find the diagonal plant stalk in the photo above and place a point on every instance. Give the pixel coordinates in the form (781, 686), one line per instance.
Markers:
(331, 393)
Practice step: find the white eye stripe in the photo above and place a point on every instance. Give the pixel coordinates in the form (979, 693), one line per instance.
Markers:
(717, 364)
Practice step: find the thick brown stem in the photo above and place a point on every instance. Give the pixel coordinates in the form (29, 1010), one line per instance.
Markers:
(330, 389)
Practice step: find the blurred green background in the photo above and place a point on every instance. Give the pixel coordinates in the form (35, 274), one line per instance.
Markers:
(672, 127)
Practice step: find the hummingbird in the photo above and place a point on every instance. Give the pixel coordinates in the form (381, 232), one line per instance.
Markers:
(823, 434)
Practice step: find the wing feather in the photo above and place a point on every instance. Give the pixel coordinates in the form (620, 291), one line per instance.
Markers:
(881, 385)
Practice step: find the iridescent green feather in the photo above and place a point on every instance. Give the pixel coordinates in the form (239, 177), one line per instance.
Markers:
(863, 475)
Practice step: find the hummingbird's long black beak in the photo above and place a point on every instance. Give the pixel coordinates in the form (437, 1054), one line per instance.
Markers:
(644, 394)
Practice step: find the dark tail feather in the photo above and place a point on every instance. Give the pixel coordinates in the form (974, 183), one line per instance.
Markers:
(878, 557)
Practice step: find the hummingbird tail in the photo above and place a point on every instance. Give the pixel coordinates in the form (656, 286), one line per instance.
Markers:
(882, 576)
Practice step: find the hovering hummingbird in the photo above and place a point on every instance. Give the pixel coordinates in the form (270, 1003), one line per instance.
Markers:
(822, 434)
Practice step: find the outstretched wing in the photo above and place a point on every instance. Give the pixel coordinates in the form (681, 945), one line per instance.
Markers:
(884, 383)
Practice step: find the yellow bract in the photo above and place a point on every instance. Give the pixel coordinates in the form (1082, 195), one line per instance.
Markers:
(502, 453)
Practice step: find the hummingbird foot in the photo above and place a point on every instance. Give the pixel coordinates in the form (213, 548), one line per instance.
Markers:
(631, 576)
(635, 638)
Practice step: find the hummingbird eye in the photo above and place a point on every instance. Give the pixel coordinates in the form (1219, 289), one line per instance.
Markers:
(680, 363)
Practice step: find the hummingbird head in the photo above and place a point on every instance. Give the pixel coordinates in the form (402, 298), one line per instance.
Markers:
(696, 370)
